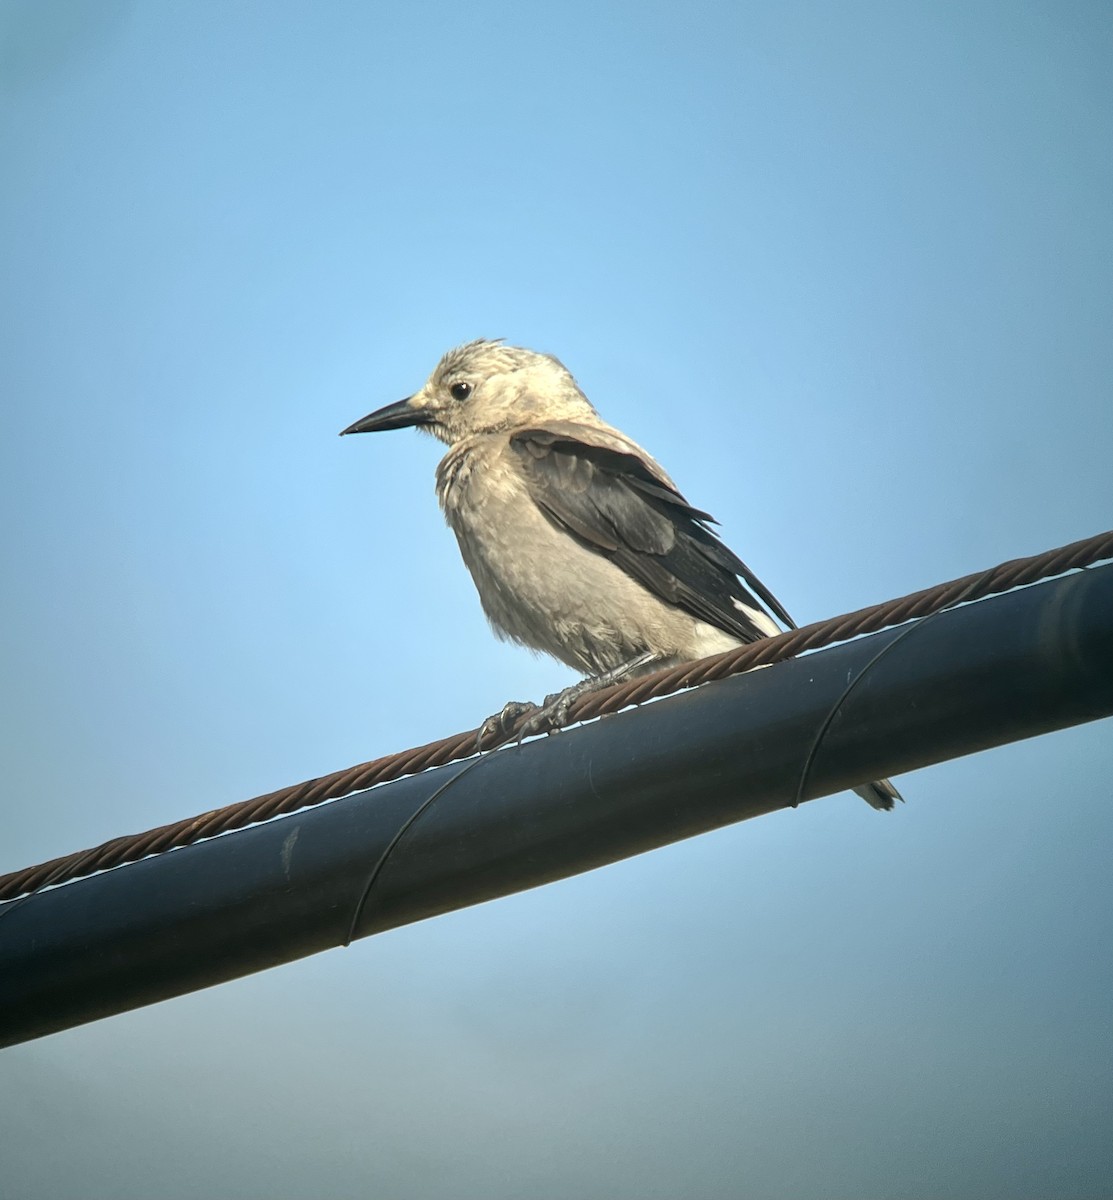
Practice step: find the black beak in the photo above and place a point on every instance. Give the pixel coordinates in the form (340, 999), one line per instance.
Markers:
(395, 416)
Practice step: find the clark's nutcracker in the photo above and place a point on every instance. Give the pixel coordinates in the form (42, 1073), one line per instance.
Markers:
(578, 541)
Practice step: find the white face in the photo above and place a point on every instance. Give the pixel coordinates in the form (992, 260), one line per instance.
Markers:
(485, 387)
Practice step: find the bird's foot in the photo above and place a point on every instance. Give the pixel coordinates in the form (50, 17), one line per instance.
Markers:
(501, 723)
(541, 718)
(553, 713)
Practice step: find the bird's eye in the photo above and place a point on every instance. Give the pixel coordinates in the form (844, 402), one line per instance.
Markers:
(460, 391)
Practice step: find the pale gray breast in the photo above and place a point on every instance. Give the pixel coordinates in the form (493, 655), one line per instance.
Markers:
(537, 584)
(500, 533)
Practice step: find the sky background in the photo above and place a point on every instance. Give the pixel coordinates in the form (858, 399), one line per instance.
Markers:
(847, 269)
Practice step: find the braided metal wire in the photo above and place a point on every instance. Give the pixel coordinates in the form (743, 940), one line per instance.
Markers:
(977, 586)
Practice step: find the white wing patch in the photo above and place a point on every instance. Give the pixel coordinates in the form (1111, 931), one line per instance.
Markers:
(761, 619)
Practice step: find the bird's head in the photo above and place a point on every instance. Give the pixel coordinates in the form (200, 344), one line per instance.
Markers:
(484, 387)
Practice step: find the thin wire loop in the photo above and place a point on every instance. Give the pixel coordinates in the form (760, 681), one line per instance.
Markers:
(825, 724)
(403, 829)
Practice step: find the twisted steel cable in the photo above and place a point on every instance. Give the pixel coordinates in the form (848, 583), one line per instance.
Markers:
(1016, 573)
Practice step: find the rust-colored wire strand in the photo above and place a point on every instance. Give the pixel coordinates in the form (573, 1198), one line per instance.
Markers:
(1016, 573)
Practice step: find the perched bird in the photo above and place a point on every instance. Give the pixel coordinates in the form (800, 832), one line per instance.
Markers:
(579, 543)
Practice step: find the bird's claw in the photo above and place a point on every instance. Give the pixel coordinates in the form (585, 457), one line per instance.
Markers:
(544, 718)
(551, 716)
(500, 724)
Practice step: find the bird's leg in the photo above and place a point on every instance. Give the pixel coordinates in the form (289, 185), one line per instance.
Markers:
(554, 712)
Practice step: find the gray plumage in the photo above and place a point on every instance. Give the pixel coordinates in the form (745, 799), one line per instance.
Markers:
(578, 541)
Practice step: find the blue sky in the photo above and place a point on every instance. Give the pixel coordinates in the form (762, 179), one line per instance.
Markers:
(848, 271)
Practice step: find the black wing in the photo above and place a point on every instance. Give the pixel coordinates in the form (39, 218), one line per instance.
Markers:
(615, 505)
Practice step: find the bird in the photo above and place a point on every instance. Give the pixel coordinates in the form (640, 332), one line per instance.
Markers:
(579, 543)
